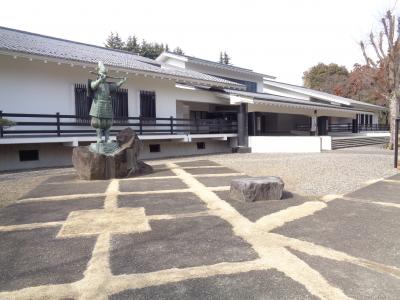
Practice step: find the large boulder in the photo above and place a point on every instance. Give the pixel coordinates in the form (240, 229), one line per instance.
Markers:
(121, 163)
(256, 189)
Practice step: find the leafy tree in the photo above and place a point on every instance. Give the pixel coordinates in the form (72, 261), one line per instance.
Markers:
(114, 41)
(221, 58)
(385, 64)
(326, 78)
(178, 50)
(361, 85)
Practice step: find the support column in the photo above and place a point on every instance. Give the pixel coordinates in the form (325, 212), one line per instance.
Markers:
(243, 135)
(354, 126)
(243, 131)
(322, 127)
(314, 128)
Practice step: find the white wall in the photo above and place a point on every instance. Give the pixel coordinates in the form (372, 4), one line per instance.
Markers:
(178, 149)
(50, 155)
(326, 143)
(58, 155)
(285, 144)
(38, 87)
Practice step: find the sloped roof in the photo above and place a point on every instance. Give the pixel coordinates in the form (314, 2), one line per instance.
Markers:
(323, 96)
(17, 41)
(206, 62)
(290, 100)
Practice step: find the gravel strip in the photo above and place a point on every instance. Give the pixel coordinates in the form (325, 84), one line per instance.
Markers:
(313, 174)
(307, 174)
(14, 185)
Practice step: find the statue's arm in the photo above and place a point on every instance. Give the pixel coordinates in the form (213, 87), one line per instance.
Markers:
(95, 83)
(121, 82)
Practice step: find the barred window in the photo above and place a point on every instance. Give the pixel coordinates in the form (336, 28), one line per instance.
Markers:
(148, 104)
(120, 105)
(83, 102)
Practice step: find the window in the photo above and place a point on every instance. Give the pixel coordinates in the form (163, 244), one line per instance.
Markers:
(155, 148)
(120, 106)
(148, 104)
(28, 155)
(83, 102)
(201, 145)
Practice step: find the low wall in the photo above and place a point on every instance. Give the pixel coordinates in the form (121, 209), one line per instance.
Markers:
(288, 144)
(326, 142)
(360, 134)
(59, 155)
(177, 149)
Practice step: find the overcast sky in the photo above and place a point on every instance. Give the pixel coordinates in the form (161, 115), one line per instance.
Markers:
(281, 38)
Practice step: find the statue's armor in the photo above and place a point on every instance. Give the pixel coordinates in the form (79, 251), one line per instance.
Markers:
(101, 106)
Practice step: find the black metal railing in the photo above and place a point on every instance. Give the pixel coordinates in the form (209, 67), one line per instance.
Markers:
(347, 127)
(303, 127)
(72, 125)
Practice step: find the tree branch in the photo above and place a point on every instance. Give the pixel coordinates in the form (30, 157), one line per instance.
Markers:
(381, 44)
(368, 60)
(392, 25)
(372, 40)
(398, 30)
(386, 31)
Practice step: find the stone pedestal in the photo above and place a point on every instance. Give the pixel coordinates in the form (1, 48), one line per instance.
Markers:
(106, 148)
(256, 189)
(120, 163)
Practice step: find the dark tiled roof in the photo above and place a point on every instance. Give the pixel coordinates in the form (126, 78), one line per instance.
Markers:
(289, 100)
(197, 60)
(35, 44)
(322, 95)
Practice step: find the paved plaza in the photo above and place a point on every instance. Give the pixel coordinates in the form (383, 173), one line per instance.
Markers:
(175, 234)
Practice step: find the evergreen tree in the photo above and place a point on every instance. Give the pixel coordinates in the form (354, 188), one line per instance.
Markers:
(221, 58)
(132, 44)
(226, 59)
(114, 41)
(178, 50)
(149, 50)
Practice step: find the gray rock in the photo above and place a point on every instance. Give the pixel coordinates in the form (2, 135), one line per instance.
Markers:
(256, 189)
(122, 163)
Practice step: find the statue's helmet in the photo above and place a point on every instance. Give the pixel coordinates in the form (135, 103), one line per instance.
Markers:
(102, 68)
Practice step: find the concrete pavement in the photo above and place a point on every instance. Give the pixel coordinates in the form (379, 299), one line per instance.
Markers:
(175, 234)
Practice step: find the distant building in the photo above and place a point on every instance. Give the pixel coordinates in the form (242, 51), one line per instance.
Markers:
(179, 105)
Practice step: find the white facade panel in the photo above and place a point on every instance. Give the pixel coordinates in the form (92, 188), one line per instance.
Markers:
(46, 88)
(285, 144)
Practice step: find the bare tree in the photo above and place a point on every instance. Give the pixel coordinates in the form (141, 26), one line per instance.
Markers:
(386, 64)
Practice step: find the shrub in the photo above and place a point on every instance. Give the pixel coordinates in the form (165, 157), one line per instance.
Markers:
(6, 123)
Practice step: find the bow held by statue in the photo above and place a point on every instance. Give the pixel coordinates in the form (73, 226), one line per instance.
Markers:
(107, 76)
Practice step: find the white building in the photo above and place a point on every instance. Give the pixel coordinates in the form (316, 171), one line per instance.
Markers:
(179, 105)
